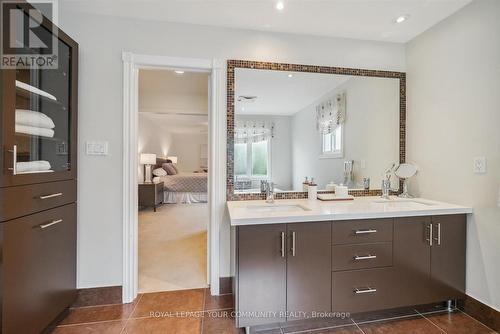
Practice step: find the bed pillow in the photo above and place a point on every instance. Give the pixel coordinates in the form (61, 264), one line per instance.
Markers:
(176, 168)
(159, 172)
(169, 168)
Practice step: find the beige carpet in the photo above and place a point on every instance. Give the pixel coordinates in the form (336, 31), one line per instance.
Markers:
(173, 247)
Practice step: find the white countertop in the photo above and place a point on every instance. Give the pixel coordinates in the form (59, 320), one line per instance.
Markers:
(259, 212)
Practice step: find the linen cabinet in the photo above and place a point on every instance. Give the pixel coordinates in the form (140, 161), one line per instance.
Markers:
(38, 123)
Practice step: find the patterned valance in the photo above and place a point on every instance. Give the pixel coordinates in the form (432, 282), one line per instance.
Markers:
(330, 114)
(253, 131)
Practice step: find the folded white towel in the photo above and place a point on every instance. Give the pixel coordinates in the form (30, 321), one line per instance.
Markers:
(32, 130)
(32, 166)
(33, 89)
(34, 118)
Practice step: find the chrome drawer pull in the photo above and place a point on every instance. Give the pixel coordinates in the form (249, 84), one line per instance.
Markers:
(50, 196)
(365, 257)
(364, 290)
(365, 231)
(14, 159)
(54, 222)
(294, 247)
(282, 246)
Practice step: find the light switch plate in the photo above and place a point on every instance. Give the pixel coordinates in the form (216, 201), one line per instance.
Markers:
(96, 148)
(479, 165)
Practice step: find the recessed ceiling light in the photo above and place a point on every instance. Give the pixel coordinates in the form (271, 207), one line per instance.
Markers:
(280, 5)
(179, 72)
(402, 18)
(290, 75)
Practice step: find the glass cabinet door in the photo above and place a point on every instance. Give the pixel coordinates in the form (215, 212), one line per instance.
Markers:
(39, 119)
(42, 117)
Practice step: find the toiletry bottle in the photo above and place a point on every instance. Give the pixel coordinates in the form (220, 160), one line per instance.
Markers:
(366, 183)
(305, 184)
(312, 190)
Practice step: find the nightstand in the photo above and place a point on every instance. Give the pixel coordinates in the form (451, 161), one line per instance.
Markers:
(150, 194)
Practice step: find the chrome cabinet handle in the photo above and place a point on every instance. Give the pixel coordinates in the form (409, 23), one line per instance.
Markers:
(14, 159)
(365, 257)
(282, 249)
(364, 290)
(429, 227)
(50, 196)
(438, 239)
(365, 231)
(294, 249)
(54, 222)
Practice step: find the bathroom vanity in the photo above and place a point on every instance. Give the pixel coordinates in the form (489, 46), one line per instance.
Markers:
(296, 259)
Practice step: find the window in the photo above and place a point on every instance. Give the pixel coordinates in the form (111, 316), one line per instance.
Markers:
(331, 144)
(252, 159)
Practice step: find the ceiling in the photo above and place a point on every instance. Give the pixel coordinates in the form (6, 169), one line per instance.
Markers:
(279, 94)
(176, 102)
(358, 19)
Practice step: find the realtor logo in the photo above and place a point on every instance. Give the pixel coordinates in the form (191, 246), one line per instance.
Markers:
(29, 35)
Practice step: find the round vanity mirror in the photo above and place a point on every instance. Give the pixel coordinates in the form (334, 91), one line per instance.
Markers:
(405, 171)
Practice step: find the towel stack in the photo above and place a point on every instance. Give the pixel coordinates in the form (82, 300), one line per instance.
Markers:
(34, 123)
(29, 167)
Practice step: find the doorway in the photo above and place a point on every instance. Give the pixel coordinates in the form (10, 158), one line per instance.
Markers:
(132, 64)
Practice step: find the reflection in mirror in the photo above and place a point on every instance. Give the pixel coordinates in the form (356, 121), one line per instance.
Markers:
(293, 126)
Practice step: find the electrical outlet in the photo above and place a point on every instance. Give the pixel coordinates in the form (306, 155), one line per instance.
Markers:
(479, 165)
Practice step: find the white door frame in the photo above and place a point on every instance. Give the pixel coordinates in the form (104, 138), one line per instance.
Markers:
(216, 156)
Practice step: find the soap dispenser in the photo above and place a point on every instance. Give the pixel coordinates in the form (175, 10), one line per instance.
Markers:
(312, 190)
(305, 184)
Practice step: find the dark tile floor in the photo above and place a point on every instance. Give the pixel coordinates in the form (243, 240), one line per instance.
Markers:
(197, 312)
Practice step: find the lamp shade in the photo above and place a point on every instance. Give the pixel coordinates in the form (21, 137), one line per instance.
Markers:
(173, 159)
(148, 159)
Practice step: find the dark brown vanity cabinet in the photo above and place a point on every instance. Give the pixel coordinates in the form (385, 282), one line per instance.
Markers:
(282, 269)
(347, 266)
(429, 254)
(38, 187)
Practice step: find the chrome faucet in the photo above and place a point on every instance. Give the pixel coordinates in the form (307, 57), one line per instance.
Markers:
(269, 192)
(386, 182)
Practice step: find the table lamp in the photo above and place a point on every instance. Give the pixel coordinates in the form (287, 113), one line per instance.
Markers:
(147, 159)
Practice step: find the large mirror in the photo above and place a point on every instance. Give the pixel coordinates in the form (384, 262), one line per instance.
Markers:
(293, 126)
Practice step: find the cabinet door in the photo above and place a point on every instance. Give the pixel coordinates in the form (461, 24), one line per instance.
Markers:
(38, 117)
(309, 268)
(39, 269)
(448, 257)
(261, 274)
(411, 260)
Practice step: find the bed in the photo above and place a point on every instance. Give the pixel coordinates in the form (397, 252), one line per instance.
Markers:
(185, 188)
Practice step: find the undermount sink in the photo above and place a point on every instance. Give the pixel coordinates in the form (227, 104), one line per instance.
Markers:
(402, 202)
(277, 208)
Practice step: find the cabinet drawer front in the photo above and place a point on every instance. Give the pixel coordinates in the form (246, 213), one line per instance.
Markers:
(362, 231)
(39, 258)
(362, 290)
(24, 200)
(361, 256)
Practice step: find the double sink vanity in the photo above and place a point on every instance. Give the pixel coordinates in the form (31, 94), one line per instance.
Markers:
(297, 259)
(308, 129)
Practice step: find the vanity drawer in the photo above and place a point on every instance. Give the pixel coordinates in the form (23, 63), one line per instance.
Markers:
(361, 256)
(363, 290)
(25, 200)
(362, 231)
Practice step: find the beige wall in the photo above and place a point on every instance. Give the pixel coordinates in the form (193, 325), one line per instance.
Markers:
(453, 116)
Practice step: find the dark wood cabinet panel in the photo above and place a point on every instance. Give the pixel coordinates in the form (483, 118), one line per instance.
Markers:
(362, 256)
(261, 272)
(448, 257)
(362, 231)
(411, 258)
(309, 268)
(39, 269)
(24, 200)
(363, 290)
